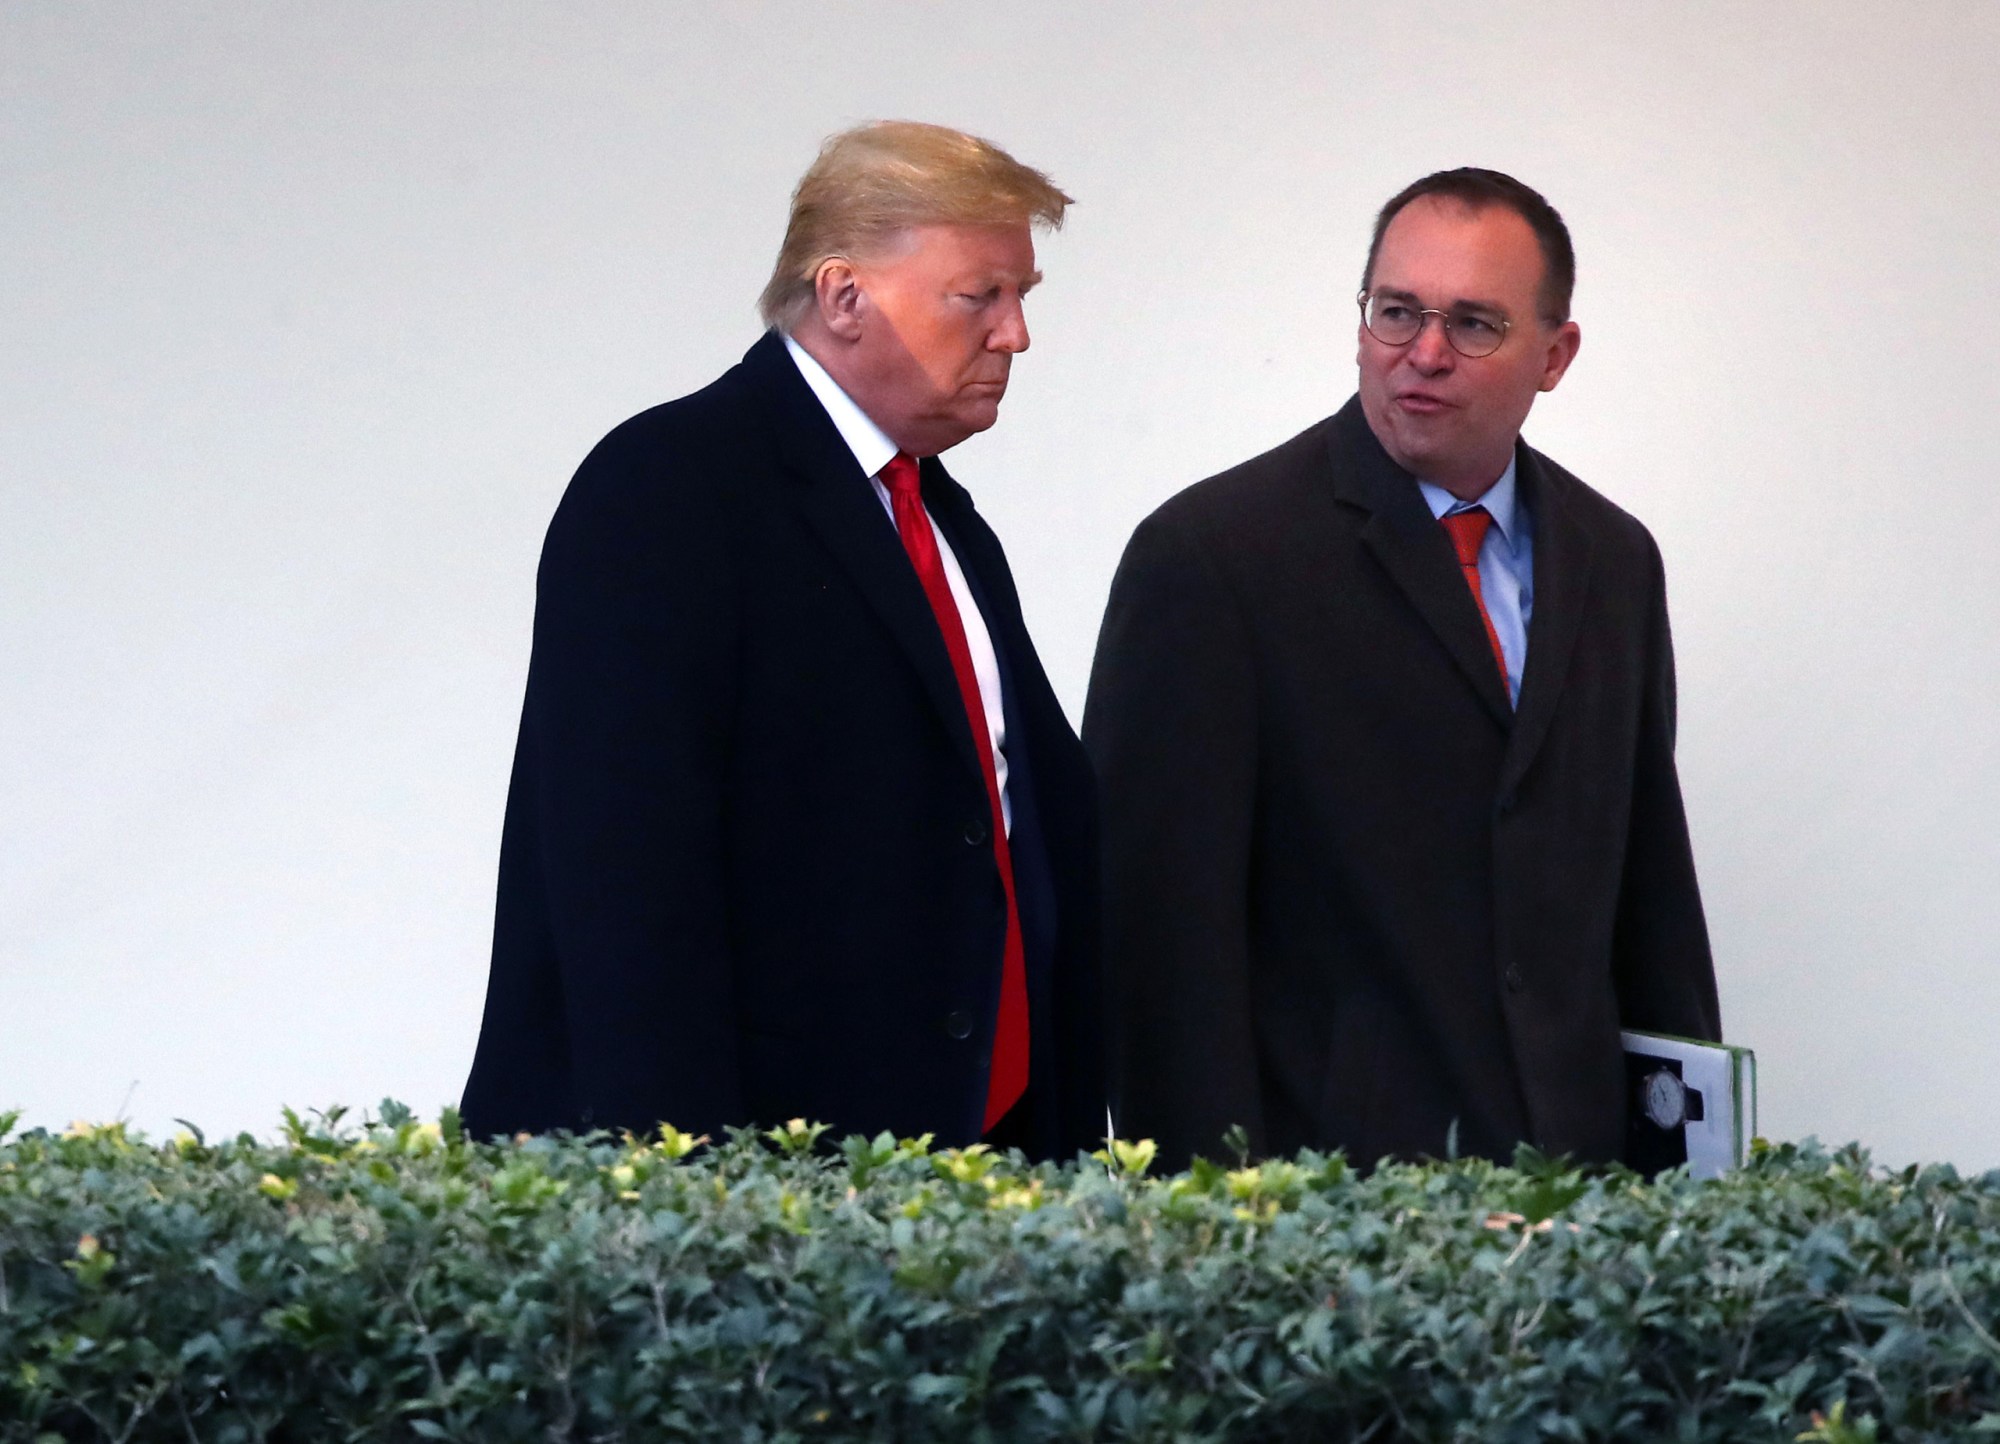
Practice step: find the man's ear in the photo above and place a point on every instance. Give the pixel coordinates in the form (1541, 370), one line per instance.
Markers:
(841, 299)
(1562, 350)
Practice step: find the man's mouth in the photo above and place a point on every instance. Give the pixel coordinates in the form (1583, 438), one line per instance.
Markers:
(1422, 403)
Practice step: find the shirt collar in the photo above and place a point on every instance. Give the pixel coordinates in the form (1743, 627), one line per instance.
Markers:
(871, 446)
(1501, 500)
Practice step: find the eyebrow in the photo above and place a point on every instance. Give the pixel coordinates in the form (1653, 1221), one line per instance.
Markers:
(1397, 293)
(995, 280)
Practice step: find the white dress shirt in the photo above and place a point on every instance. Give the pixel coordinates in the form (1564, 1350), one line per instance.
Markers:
(874, 450)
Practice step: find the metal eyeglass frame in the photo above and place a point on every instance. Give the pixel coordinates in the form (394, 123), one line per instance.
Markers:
(1444, 320)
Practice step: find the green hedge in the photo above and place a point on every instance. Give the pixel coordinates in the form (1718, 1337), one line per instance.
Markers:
(393, 1281)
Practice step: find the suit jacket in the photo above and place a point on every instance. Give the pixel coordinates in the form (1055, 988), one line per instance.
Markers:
(1352, 898)
(746, 873)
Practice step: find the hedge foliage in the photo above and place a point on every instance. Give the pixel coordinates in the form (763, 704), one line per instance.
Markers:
(394, 1281)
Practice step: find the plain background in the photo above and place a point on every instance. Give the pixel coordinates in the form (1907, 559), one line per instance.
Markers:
(307, 312)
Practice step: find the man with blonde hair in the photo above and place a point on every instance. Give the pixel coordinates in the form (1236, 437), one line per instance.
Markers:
(797, 827)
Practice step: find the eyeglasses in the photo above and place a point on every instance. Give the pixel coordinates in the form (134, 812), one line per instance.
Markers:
(1393, 321)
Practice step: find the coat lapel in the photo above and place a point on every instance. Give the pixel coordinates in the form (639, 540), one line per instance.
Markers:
(1413, 549)
(1562, 590)
(841, 507)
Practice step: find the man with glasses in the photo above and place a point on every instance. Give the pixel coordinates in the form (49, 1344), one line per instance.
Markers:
(1384, 725)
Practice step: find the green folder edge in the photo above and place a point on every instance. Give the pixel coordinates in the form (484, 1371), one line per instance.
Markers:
(1742, 1083)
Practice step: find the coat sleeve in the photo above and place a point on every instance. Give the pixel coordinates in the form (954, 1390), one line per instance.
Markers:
(1170, 724)
(626, 731)
(1660, 955)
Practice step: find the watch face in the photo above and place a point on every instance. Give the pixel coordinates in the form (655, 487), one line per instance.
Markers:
(1665, 1098)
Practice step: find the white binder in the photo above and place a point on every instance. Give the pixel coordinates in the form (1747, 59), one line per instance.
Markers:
(1690, 1102)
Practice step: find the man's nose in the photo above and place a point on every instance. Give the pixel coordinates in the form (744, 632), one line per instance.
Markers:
(1430, 352)
(1011, 334)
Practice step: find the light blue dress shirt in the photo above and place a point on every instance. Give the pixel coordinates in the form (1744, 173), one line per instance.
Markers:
(1506, 566)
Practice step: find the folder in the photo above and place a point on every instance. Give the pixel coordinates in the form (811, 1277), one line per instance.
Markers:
(1688, 1102)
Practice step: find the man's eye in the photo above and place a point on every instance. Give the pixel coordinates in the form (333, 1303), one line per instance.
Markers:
(1395, 312)
(1475, 326)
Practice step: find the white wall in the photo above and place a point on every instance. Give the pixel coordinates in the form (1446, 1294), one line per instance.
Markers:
(307, 312)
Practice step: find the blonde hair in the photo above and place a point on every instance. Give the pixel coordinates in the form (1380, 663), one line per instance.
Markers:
(873, 181)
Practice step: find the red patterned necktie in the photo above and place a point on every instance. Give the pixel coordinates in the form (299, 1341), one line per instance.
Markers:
(1009, 1078)
(1468, 530)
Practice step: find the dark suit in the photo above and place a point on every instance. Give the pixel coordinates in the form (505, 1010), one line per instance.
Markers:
(1352, 898)
(746, 873)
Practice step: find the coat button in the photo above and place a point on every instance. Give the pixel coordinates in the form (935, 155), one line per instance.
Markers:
(1505, 805)
(975, 832)
(1513, 978)
(958, 1024)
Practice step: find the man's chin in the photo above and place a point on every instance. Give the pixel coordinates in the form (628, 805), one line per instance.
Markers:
(1432, 449)
(1417, 449)
(977, 415)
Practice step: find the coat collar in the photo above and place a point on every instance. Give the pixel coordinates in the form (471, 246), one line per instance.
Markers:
(1413, 549)
(1563, 562)
(834, 496)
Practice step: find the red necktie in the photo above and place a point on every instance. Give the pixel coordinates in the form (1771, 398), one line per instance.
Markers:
(1009, 1078)
(1468, 530)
